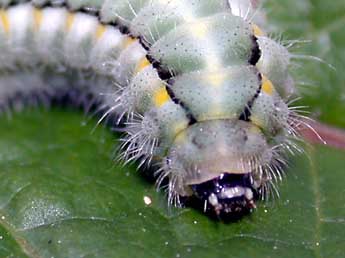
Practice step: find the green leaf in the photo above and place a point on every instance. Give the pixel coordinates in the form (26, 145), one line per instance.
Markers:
(62, 195)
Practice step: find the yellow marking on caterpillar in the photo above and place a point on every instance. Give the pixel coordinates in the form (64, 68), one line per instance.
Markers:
(267, 86)
(215, 78)
(5, 21)
(100, 31)
(161, 96)
(128, 41)
(199, 30)
(256, 121)
(144, 62)
(181, 137)
(214, 113)
(255, 129)
(179, 127)
(257, 31)
(69, 20)
(37, 18)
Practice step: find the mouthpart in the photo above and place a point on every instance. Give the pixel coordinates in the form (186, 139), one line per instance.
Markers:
(228, 196)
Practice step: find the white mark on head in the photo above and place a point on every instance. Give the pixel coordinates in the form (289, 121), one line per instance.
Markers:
(213, 200)
(248, 194)
(231, 192)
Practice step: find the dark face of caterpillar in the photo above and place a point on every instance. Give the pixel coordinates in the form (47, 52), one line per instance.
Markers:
(229, 196)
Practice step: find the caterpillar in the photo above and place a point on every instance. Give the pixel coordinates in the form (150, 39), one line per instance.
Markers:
(200, 88)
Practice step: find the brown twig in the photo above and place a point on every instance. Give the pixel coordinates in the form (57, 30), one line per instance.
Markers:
(319, 133)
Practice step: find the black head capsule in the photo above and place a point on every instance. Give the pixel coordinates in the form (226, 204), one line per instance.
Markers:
(228, 197)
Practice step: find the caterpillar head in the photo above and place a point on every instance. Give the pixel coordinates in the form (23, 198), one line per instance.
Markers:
(221, 163)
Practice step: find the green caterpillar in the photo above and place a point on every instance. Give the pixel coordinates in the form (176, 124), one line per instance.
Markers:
(200, 87)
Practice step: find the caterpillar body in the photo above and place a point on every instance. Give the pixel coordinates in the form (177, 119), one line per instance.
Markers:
(200, 88)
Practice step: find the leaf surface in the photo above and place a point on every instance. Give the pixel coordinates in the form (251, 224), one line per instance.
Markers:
(62, 195)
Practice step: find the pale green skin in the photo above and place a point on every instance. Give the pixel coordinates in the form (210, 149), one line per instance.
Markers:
(188, 50)
(143, 24)
(212, 102)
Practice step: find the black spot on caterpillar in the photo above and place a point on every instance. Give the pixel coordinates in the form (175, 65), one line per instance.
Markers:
(256, 53)
(199, 87)
(245, 115)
